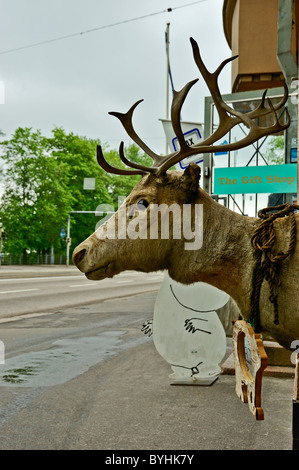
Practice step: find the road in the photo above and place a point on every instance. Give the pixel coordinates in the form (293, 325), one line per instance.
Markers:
(32, 295)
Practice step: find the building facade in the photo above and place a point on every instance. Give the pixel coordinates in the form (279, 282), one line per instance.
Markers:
(251, 28)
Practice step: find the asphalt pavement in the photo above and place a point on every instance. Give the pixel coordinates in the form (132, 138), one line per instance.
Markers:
(127, 402)
(52, 289)
(22, 271)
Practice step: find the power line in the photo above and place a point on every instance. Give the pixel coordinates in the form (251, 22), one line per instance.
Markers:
(87, 31)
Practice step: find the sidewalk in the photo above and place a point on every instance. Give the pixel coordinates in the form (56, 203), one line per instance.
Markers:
(127, 401)
(22, 271)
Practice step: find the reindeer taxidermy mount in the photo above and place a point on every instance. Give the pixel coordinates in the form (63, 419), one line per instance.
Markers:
(226, 259)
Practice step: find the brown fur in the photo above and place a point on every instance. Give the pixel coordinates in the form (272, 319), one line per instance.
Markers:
(225, 260)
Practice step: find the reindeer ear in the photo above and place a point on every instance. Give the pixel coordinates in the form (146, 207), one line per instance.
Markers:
(191, 176)
(189, 182)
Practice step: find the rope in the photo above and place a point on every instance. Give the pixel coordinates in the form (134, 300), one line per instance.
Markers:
(267, 265)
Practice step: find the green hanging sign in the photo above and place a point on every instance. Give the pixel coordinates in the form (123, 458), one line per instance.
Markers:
(256, 179)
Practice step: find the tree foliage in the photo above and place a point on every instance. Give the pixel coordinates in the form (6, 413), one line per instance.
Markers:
(42, 180)
(274, 154)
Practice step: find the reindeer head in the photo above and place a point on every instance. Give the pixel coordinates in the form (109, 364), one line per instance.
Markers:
(114, 247)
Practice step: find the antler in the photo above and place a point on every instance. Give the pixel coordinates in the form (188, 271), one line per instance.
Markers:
(228, 118)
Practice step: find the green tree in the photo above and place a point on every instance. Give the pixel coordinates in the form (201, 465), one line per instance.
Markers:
(43, 181)
(274, 154)
(31, 180)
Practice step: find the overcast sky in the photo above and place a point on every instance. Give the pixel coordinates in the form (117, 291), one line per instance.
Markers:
(75, 82)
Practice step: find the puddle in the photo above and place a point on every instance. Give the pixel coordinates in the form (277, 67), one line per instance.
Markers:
(16, 376)
(66, 359)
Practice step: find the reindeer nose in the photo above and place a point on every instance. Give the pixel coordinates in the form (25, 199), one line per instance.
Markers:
(78, 257)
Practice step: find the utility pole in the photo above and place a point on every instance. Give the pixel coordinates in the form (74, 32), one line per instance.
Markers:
(68, 240)
(167, 77)
(298, 134)
(0, 248)
(289, 69)
(2, 236)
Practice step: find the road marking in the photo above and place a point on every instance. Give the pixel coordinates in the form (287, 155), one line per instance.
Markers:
(19, 290)
(83, 285)
(24, 316)
(49, 278)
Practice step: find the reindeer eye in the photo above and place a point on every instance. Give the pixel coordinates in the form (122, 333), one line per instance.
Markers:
(142, 204)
